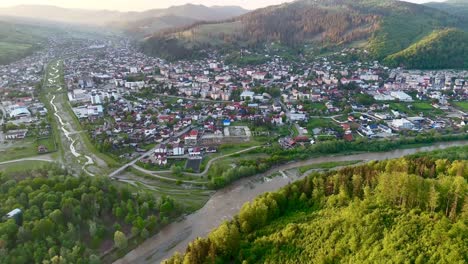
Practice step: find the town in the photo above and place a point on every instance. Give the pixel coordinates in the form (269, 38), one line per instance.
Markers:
(273, 131)
(129, 103)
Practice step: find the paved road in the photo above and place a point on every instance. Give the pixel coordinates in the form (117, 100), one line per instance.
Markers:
(155, 174)
(226, 202)
(133, 162)
(207, 167)
(45, 159)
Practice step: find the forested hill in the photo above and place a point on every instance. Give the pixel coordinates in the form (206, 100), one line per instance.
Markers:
(385, 26)
(18, 40)
(408, 210)
(456, 7)
(441, 49)
(74, 220)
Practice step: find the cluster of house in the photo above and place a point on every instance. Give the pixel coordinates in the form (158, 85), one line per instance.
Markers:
(19, 99)
(185, 146)
(23, 74)
(145, 122)
(110, 79)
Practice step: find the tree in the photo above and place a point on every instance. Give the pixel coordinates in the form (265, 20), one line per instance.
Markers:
(226, 239)
(176, 170)
(433, 198)
(144, 233)
(365, 99)
(93, 259)
(120, 240)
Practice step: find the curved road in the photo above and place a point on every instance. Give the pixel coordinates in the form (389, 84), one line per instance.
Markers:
(225, 203)
(133, 162)
(48, 159)
(203, 173)
(155, 175)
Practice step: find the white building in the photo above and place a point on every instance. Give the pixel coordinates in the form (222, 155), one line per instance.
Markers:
(247, 94)
(20, 112)
(369, 77)
(178, 150)
(297, 117)
(402, 124)
(402, 96)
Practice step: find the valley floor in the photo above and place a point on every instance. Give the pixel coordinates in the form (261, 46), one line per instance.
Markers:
(225, 203)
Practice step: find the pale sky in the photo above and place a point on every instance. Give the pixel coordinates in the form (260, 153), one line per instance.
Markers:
(138, 5)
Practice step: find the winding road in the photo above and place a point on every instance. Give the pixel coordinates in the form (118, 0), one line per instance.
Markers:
(45, 159)
(155, 175)
(133, 162)
(225, 203)
(203, 173)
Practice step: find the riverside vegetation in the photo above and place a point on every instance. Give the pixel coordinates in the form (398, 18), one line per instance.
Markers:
(413, 209)
(220, 175)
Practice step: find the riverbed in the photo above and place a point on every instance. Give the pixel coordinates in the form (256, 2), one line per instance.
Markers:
(225, 203)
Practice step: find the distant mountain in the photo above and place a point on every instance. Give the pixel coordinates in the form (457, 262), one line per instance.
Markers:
(195, 12)
(169, 17)
(156, 20)
(456, 7)
(384, 27)
(150, 25)
(58, 14)
(441, 49)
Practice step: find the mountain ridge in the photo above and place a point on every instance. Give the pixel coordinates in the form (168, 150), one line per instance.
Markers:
(107, 17)
(441, 49)
(455, 7)
(387, 26)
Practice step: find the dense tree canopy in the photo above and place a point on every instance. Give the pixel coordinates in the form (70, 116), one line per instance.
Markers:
(387, 26)
(412, 209)
(221, 176)
(71, 220)
(441, 49)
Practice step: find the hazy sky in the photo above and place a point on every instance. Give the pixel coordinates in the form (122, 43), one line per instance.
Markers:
(126, 5)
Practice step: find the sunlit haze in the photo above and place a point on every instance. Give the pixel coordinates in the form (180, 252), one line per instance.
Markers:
(134, 5)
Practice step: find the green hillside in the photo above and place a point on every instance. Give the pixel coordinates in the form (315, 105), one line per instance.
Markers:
(409, 210)
(387, 27)
(440, 49)
(20, 40)
(456, 7)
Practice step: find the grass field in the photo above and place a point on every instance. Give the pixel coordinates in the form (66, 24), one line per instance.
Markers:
(416, 108)
(461, 105)
(22, 166)
(314, 106)
(320, 123)
(21, 149)
(231, 160)
(49, 143)
(190, 196)
(18, 40)
(229, 149)
(12, 51)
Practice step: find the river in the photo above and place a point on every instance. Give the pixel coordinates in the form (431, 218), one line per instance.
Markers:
(67, 133)
(225, 203)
